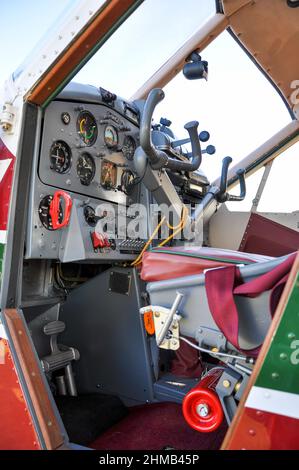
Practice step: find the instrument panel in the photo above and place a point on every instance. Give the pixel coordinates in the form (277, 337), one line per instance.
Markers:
(82, 171)
(86, 148)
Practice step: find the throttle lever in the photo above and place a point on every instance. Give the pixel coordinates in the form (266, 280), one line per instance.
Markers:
(223, 195)
(241, 178)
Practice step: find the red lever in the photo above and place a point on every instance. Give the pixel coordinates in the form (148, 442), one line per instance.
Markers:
(55, 209)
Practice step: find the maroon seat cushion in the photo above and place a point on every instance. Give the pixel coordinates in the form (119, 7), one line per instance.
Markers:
(169, 263)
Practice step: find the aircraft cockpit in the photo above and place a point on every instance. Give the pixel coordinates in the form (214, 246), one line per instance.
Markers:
(147, 278)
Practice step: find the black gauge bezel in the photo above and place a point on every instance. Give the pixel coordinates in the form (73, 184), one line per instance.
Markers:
(127, 155)
(68, 157)
(83, 180)
(114, 144)
(44, 212)
(87, 142)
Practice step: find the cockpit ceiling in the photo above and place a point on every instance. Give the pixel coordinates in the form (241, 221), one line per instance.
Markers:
(269, 30)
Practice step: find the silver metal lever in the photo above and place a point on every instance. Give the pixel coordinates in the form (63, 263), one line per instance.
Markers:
(169, 320)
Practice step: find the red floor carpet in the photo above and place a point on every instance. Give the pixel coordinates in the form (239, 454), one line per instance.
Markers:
(153, 427)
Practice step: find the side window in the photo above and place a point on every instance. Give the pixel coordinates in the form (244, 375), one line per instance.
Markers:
(281, 193)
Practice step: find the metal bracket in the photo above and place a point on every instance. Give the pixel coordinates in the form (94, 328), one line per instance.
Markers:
(7, 118)
(230, 389)
(261, 187)
(211, 338)
(166, 324)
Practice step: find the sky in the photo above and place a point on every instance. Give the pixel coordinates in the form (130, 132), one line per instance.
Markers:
(23, 24)
(237, 105)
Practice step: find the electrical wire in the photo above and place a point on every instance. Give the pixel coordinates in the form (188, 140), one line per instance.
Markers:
(212, 353)
(138, 259)
(176, 229)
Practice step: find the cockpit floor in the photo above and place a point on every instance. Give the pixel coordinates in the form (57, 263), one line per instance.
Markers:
(156, 427)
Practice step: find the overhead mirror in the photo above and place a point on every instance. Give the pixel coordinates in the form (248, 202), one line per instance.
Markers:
(195, 68)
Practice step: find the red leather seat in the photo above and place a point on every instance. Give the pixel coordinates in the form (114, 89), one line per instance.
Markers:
(169, 263)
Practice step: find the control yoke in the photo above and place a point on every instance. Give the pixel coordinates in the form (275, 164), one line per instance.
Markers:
(159, 159)
(162, 188)
(222, 195)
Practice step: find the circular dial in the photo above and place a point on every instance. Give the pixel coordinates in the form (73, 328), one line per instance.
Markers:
(129, 147)
(44, 212)
(111, 137)
(60, 157)
(86, 168)
(87, 128)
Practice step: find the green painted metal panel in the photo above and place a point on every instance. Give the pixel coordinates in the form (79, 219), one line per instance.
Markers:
(280, 370)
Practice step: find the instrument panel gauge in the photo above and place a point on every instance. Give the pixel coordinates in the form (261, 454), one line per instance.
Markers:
(86, 169)
(111, 137)
(44, 212)
(108, 175)
(60, 157)
(87, 128)
(129, 147)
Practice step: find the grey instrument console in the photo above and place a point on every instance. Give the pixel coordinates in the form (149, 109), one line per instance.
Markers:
(85, 149)
(87, 144)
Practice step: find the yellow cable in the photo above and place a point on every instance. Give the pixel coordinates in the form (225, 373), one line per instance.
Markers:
(138, 259)
(176, 229)
(184, 214)
(180, 227)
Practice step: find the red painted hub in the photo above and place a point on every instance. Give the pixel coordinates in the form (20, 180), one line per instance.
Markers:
(201, 406)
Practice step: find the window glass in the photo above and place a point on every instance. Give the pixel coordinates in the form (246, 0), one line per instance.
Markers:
(281, 193)
(143, 43)
(252, 184)
(237, 105)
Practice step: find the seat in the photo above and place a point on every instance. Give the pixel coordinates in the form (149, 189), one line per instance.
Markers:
(169, 271)
(170, 263)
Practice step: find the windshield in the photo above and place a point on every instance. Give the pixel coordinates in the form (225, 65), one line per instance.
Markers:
(143, 43)
(237, 105)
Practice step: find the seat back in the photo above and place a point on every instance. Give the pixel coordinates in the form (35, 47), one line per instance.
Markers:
(198, 322)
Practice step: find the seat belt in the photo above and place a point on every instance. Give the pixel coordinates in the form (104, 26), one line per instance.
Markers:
(223, 283)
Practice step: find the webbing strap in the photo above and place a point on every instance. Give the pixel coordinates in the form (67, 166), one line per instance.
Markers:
(223, 283)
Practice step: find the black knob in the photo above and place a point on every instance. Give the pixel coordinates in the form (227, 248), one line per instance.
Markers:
(210, 150)
(165, 122)
(90, 216)
(204, 136)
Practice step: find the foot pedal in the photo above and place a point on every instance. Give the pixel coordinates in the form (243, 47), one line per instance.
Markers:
(61, 357)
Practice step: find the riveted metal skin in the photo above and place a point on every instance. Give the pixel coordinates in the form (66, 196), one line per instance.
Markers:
(7, 159)
(16, 427)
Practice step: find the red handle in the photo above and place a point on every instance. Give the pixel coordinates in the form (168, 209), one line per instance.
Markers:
(55, 209)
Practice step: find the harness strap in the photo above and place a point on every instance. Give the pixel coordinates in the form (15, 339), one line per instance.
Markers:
(223, 283)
